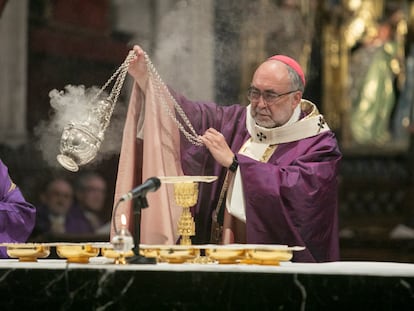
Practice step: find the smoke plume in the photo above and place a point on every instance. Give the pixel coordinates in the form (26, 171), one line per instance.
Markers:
(73, 105)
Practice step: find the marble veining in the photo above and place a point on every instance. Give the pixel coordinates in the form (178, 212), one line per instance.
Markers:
(61, 286)
(302, 290)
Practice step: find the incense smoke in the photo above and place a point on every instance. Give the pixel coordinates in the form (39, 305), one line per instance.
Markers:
(72, 105)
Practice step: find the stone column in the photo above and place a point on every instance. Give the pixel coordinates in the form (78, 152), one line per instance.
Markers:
(179, 38)
(184, 50)
(13, 73)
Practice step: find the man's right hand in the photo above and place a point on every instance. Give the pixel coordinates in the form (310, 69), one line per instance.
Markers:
(138, 68)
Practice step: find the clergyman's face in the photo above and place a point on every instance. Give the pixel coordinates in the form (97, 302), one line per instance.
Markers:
(272, 77)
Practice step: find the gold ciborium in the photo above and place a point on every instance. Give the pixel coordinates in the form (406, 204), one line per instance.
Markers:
(186, 194)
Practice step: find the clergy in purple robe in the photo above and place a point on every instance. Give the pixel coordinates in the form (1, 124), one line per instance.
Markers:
(277, 162)
(17, 217)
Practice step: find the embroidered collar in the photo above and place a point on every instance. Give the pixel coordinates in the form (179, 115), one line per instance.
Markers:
(295, 129)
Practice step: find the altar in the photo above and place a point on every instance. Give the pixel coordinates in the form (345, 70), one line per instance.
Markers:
(54, 284)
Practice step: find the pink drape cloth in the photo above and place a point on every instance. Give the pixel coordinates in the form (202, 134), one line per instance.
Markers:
(160, 157)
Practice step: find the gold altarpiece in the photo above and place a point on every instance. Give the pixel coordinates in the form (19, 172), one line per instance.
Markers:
(274, 27)
(354, 24)
(290, 27)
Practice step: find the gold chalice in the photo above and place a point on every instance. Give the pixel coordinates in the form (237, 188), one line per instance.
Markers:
(186, 194)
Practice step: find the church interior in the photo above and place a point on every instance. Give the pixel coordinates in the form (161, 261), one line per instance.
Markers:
(358, 58)
(209, 49)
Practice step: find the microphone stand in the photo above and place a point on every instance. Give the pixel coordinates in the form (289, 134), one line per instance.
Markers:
(140, 202)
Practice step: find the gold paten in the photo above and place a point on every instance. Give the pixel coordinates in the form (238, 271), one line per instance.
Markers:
(77, 253)
(28, 252)
(269, 254)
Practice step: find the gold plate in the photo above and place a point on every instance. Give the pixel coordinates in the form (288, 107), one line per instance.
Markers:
(27, 252)
(225, 254)
(267, 257)
(260, 254)
(263, 254)
(177, 253)
(77, 253)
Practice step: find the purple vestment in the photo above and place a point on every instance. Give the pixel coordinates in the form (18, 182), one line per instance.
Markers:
(76, 222)
(291, 199)
(17, 217)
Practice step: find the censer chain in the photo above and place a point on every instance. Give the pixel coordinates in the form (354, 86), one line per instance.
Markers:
(160, 86)
(120, 74)
(161, 90)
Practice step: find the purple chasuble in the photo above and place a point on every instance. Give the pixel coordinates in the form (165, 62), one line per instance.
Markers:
(17, 217)
(291, 199)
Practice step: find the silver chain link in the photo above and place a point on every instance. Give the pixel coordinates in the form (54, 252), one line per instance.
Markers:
(160, 86)
(120, 73)
(162, 91)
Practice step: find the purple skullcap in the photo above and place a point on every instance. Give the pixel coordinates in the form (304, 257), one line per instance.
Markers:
(291, 63)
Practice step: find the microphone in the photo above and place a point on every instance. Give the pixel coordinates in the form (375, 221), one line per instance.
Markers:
(151, 184)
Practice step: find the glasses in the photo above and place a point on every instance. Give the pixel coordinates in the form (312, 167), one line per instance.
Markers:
(269, 97)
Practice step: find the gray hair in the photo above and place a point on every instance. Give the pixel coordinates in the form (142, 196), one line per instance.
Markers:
(295, 79)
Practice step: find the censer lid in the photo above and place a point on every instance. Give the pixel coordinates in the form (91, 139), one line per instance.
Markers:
(67, 162)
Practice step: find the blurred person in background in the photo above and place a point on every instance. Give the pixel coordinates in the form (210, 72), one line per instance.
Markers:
(56, 200)
(90, 197)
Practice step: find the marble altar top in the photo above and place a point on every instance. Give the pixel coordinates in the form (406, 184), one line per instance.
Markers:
(368, 268)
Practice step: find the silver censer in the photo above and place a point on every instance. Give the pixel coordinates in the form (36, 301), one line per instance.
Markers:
(81, 139)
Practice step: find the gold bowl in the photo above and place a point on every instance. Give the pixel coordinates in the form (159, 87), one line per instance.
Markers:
(177, 253)
(77, 253)
(149, 252)
(119, 257)
(267, 257)
(263, 254)
(27, 252)
(225, 254)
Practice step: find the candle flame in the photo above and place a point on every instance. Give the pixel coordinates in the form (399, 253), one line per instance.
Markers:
(123, 220)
